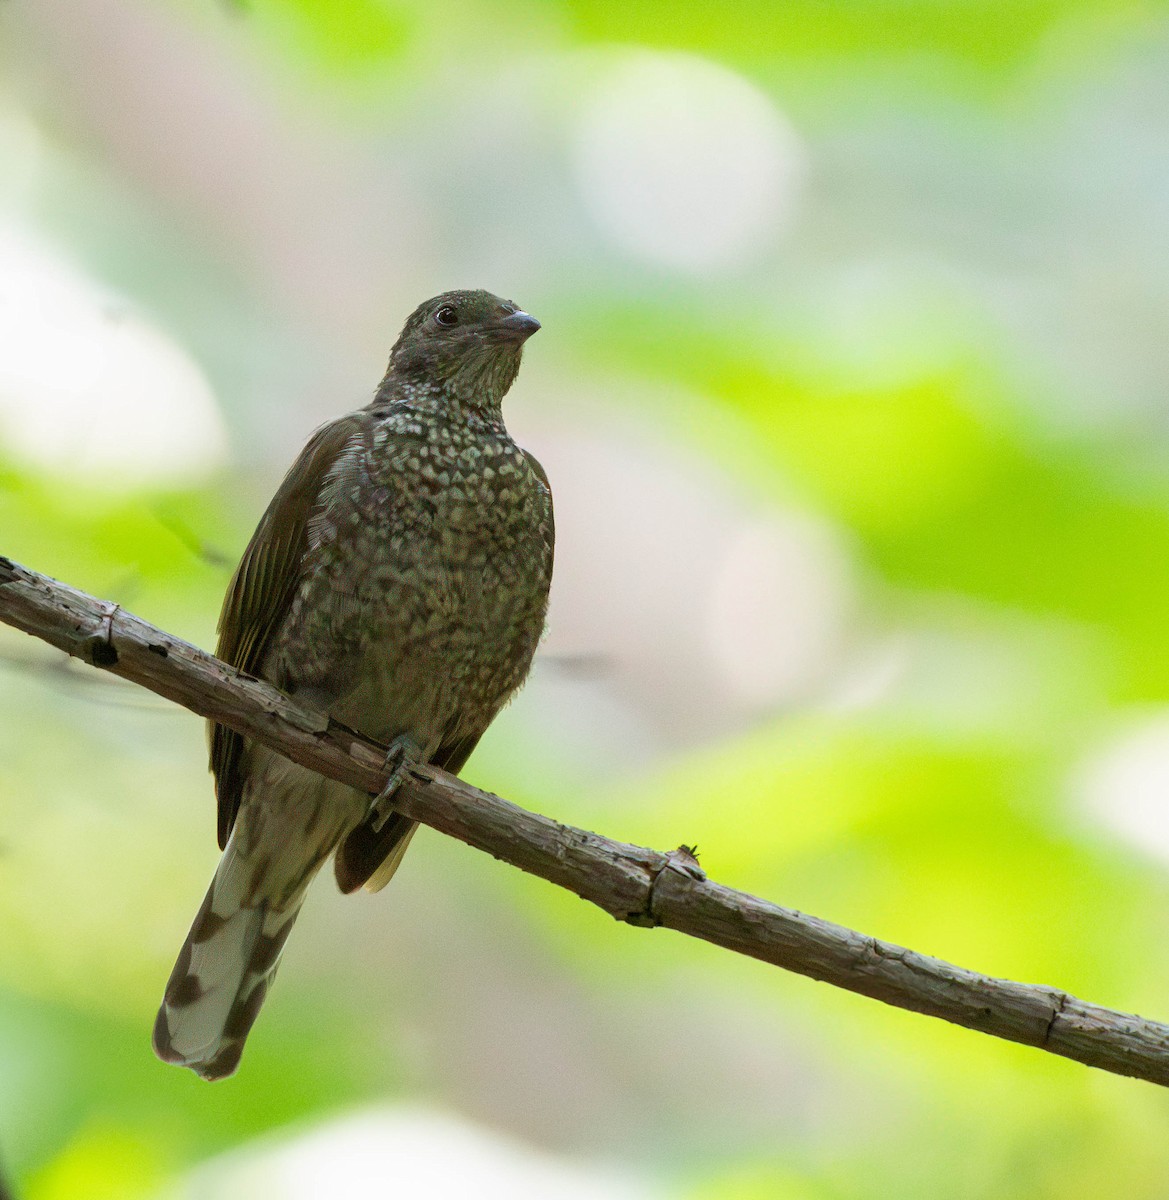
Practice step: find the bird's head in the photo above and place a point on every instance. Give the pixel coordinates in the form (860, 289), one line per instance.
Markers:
(468, 343)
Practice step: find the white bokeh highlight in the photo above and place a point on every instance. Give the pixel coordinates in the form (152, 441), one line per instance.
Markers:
(89, 387)
(685, 163)
(403, 1152)
(701, 608)
(1124, 786)
(779, 604)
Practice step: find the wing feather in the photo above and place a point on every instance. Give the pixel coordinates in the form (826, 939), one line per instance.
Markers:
(262, 589)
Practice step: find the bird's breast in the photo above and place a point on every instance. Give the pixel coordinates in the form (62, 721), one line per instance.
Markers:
(427, 563)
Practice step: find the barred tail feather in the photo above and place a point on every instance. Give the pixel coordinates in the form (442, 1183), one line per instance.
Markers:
(222, 975)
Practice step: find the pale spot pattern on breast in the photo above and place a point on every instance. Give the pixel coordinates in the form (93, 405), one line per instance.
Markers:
(424, 588)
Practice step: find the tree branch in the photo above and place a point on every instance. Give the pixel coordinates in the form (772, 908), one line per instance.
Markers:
(634, 884)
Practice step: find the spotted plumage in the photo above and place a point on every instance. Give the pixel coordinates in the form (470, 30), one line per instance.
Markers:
(399, 580)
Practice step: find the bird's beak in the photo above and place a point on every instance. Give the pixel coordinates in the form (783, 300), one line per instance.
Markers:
(517, 326)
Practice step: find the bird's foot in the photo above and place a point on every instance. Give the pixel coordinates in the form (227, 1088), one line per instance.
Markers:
(403, 754)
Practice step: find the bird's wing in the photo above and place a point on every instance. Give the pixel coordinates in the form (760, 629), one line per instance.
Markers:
(261, 590)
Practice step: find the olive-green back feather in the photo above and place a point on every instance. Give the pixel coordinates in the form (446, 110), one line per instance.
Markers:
(261, 590)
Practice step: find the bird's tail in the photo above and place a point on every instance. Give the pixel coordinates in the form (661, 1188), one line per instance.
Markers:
(223, 973)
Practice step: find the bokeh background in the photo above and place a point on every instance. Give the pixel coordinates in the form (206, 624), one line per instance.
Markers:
(852, 388)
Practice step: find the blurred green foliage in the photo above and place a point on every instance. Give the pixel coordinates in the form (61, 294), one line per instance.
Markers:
(948, 824)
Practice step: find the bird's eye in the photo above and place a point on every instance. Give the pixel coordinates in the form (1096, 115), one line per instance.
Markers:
(447, 315)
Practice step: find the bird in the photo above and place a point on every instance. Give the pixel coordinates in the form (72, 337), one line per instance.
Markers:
(398, 581)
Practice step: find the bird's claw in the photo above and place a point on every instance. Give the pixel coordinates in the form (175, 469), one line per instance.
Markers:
(403, 753)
